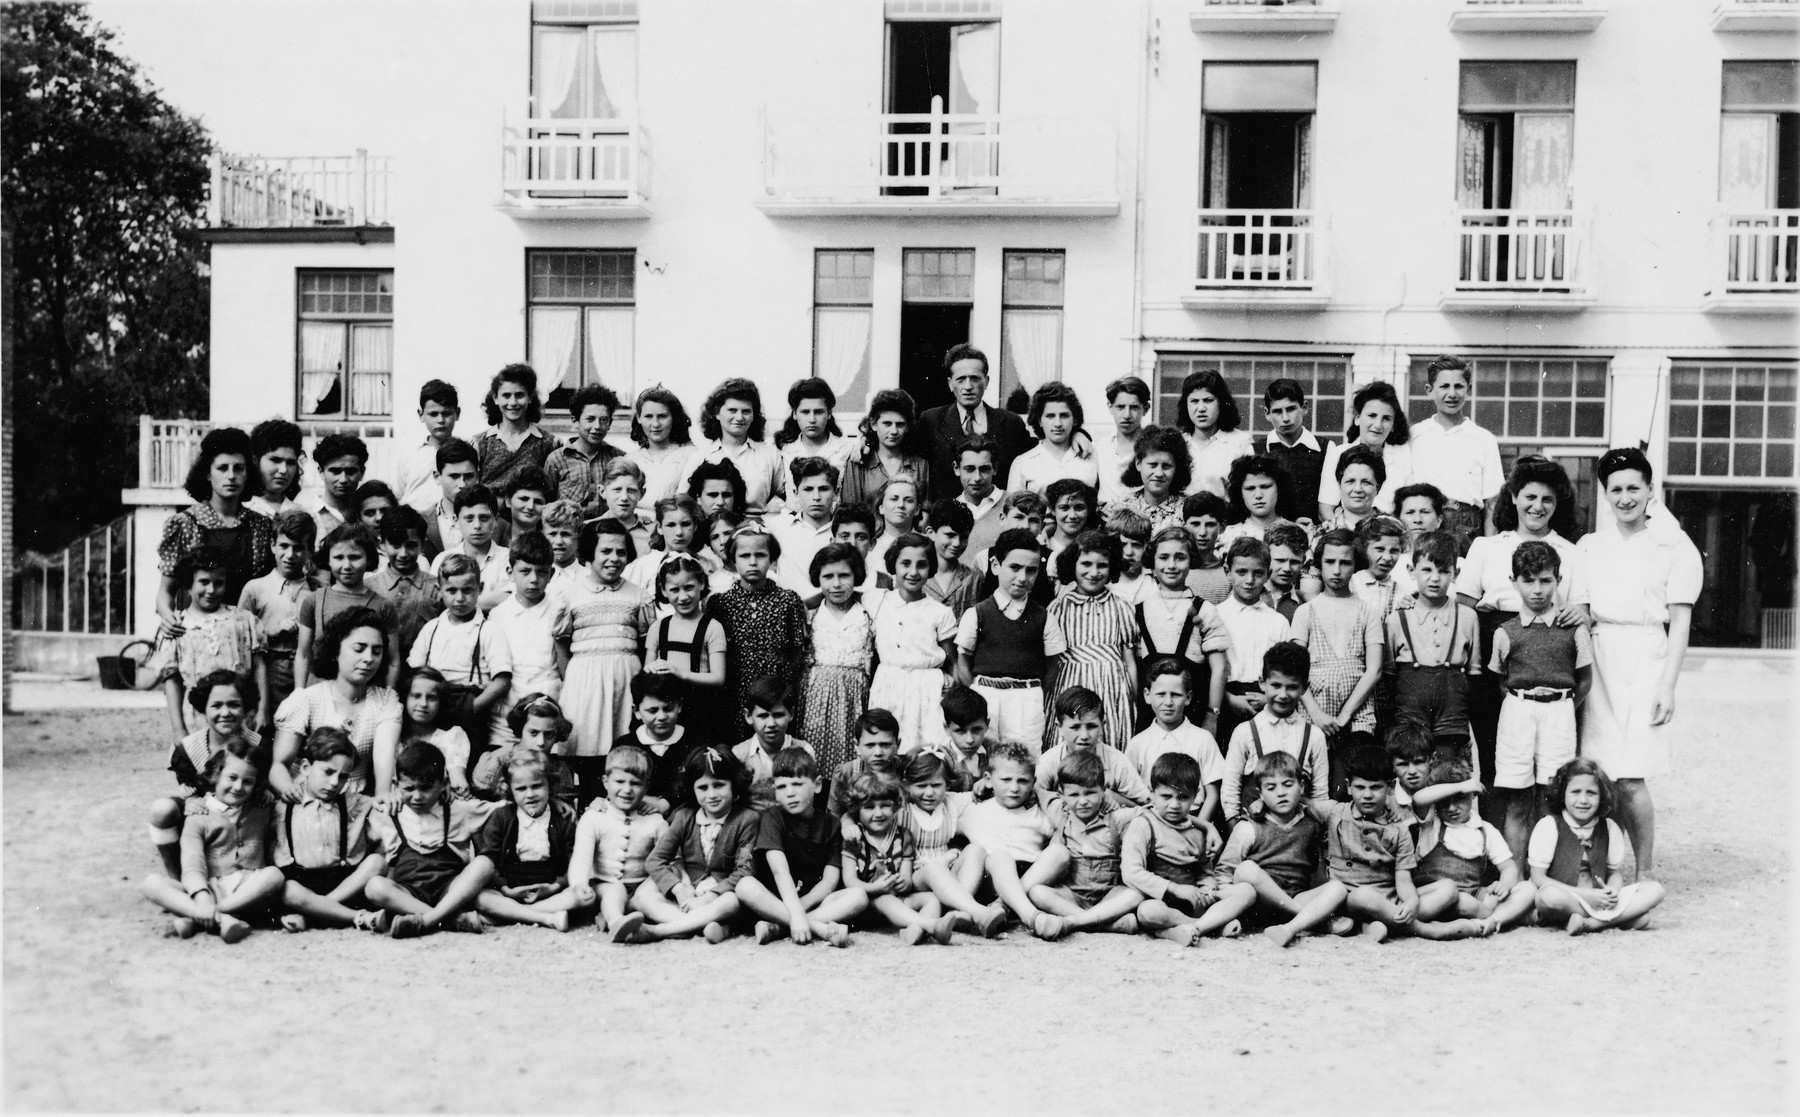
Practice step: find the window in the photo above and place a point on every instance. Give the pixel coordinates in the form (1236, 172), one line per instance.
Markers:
(1258, 134)
(843, 313)
(584, 59)
(581, 320)
(1031, 320)
(1517, 129)
(1531, 399)
(1759, 173)
(1731, 421)
(346, 329)
(938, 275)
(1326, 380)
(937, 64)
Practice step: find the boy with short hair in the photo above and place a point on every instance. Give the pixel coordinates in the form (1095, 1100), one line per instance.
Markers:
(769, 712)
(342, 459)
(1008, 644)
(561, 525)
(1279, 726)
(428, 836)
(1023, 509)
(477, 513)
(1369, 849)
(948, 524)
(1164, 856)
(575, 468)
(275, 449)
(409, 586)
(1432, 648)
(1204, 515)
(975, 472)
(656, 701)
(1129, 399)
(1294, 448)
(1411, 750)
(1254, 627)
(1013, 830)
(1134, 533)
(322, 840)
(855, 525)
(274, 599)
(966, 728)
(1089, 831)
(458, 467)
(416, 479)
(1287, 545)
(1081, 728)
(621, 491)
(1277, 850)
(1457, 455)
(473, 655)
(799, 862)
(1546, 672)
(877, 734)
(805, 525)
(529, 618)
(1167, 691)
(1457, 851)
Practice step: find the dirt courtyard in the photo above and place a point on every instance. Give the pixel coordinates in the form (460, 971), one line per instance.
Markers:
(103, 1013)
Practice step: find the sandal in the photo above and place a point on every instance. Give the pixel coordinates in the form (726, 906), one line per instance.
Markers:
(293, 923)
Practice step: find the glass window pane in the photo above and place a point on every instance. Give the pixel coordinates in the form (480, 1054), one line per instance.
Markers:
(1684, 422)
(844, 277)
(1488, 413)
(1259, 87)
(1682, 459)
(1746, 460)
(1715, 422)
(1779, 461)
(1521, 420)
(1684, 382)
(1590, 379)
(1749, 420)
(938, 275)
(1716, 384)
(1328, 415)
(1558, 381)
(1033, 279)
(1751, 383)
(1556, 419)
(1510, 86)
(1781, 422)
(1781, 383)
(1522, 379)
(1771, 86)
(1713, 459)
(1590, 420)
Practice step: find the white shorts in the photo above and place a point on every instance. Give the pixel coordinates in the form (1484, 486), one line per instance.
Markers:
(1015, 714)
(1532, 740)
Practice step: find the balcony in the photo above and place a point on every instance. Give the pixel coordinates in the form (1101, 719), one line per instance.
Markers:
(1574, 17)
(314, 197)
(1514, 259)
(939, 164)
(1756, 15)
(1258, 259)
(1758, 256)
(1276, 17)
(567, 169)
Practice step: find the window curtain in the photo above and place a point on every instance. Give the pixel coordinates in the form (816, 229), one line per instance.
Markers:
(615, 73)
(321, 361)
(1033, 346)
(371, 362)
(1471, 162)
(1542, 145)
(610, 342)
(553, 345)
(558, 53)
(841, 348)
(974, 89)
(1218, 161)
(1746, 147)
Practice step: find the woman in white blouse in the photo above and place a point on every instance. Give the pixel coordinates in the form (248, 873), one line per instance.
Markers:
(1208, 415)
(1639, 580)
(732, 423)
(1378, 422)
(660, 426)
(348, 660)
(1056, 419)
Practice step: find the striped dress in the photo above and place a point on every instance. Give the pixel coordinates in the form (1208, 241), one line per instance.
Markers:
(607, 625)
(1337, 633)
(1101, 631)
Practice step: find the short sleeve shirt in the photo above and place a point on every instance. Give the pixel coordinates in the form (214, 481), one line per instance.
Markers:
(811, 844)
(968, 629)
(313, 708)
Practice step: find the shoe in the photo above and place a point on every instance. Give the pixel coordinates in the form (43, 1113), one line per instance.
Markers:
(766, 932)
(912, 934)
(1341, 926)
(1375, 932)
(376, 921)
(233, 929)
(181, 927)
(991, 921)
(626, 929)
(714, 933)
(838, 936)
(1049, 927)
(560, 923)
(1231, 930)
(1124, 925)
(406, 927)
(469, 923)
(293, 923)
(943, 928)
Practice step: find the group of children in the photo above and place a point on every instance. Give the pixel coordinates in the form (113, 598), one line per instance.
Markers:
(1184, 715)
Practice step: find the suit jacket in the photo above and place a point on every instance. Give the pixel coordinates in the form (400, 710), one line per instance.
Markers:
(944, 425)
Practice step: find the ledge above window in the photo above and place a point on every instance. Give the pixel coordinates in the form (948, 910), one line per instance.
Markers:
(1267, 17)
(1573, 17)
(1756, 15)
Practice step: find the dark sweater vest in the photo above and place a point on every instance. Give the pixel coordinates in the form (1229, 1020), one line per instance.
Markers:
(1288, 854)
(1009, 649)
(1539, 655)
(1565, 863)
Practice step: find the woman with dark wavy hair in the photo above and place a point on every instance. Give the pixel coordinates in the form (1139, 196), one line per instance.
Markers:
(1208, 415)
(220, 480)
(349, 659)
(891, 447)
(659, 426)
(1377, 422)
(1056, 418)
(732, 423)
(513, 439)
(811, 428)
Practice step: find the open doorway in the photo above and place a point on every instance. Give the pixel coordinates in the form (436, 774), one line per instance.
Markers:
(1746, 540)
(956, 65)
(927, 332)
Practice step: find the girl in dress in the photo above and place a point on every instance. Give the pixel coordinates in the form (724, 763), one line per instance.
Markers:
(423, 707)
(811, 429)
(606, 621)
(765, 623)
(1161, 468)
(1071, 513)
(897, 503)
(1101, 631)
(659, 426)
(1208, 416)
(687, 643)
(835, 687)
(931, 816)
(513, 439)
(1341, 634)
(889, 449)
(1172, 620)
(915, 639)
(1577, 855)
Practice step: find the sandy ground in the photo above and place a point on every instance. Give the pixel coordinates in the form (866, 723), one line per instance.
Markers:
(102, 1013)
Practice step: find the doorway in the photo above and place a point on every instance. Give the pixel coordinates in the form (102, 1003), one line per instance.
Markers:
(1746, 541)
(956, 65)
(927, 332)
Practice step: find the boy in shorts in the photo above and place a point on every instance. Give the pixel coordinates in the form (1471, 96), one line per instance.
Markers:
(433, 878)
(322, 841)
(1164, 857)
(1091, 897)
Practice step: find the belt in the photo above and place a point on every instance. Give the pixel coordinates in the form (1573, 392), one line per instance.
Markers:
(1540, 694)
(993, 683)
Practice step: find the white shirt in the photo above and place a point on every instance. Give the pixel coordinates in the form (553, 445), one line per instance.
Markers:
(495, 577)
(664, 471)
(1187, 739)
(1541, 849)
(1037, 467)
(800, 540)
(1254, 629)
(758, 462)
(324, 515)
(1485, 574)
(534, 836)
(1634, 579)
(530, 638)
(468, 652)
(1213, 458)
(1462, 461)
(1113, 458)
(1473, 840)
(415, 481)
(450, 530)
(985, 505)
(1289, 735)
(261, 504)
(1398, 460)
(836, 451)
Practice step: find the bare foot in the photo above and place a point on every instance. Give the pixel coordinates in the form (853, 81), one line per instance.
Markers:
(942, 928)
(233, 929)
(1281, 935)
(1342, 926)
(560, 922)
(1185, 933)
(767, 932)
(181, 927)
(1049, 927)
(837, 935)
(293, 922)
(626, 929)
(715, 933)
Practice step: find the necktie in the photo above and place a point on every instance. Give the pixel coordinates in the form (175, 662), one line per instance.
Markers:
(968, 422)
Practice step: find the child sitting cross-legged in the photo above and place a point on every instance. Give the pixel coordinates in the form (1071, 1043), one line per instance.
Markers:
(696, 865)
(528, 842)
(1576, 855)
(613, 842)
(1081, 728)
(225, 870)
(878, 858)
(322, 840)
(433, 880)
(1164, 857)
(799, 851)
(1277, 849)
(1013, 831)
(1091, 897)
(933, 812)
(222, 700)
(1457, 849)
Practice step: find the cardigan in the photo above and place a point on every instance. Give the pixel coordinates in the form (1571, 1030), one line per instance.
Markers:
(679, 853)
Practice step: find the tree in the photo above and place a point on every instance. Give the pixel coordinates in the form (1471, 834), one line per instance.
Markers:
(98, 178)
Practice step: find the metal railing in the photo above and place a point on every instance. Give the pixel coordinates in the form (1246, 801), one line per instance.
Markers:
(86, 587)
(940, 155)
(314, 191)
(557, 158)
(1760, 251)
(1778, 628)
(1266, 248)
(1519, 250)
(167, 448)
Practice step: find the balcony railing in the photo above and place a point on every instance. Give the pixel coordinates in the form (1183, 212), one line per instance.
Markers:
(1520, 250)
(1269, 16)
(571, 161)
(892, 160)
(253, 192)
(167, 447)
(1761, 251)
(85, 588)
(1268, 249)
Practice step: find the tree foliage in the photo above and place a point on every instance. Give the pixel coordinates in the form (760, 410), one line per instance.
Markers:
(98, 176)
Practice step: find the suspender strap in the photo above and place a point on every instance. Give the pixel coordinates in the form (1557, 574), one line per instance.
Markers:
(697, 649)
(1144, 631)
(287, 820)
(1256, 738)
(662, 636)
(1406, 631)
(1187, 633)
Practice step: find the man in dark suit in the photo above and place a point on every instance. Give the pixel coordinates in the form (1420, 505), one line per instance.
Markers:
(947, 426)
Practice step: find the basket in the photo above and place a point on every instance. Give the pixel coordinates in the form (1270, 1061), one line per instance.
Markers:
(119, 672)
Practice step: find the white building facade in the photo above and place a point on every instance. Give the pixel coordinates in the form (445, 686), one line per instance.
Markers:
(1595, 203)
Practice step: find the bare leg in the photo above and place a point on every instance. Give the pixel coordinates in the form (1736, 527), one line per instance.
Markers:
(1555, 904)
(952, 887)
(1316, 906)
(1638, 817)
(1516, 818)
(1234, 900)
(168, 894)
(668, 921)
(902, 914)
(828, 919)
(1515, 907)
(615, 899)
(1165, 922)
(1371, 905)
(1267, 891)
(1058, 901)
(384, 893)
(492, 902)
(1010, 888)
(165, 834)
(1439, 899)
